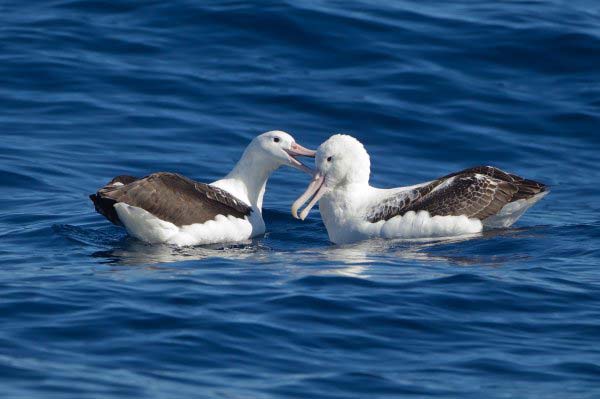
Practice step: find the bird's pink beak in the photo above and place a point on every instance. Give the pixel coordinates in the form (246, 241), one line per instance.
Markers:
(296, 150)
(316, 189)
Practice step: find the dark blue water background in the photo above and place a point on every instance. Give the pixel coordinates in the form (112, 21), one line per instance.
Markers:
(91, 89)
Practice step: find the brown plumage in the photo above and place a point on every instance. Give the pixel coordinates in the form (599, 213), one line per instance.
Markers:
(478, 192)
(170, 197)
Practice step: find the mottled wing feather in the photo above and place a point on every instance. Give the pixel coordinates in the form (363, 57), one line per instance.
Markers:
(223, 197)
(526, 188)
(478, 192)
(397, 204)
(171, 197)
(472, 195)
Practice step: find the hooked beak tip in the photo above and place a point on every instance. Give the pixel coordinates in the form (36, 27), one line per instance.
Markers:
(316, 189)
(295, 213)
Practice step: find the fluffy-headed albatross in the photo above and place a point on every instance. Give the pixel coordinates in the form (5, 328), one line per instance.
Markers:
(170, 208)
(461, 203)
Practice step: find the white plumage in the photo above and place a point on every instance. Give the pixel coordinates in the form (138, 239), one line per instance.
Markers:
(459, 204)
(169, 208)
(144, 226)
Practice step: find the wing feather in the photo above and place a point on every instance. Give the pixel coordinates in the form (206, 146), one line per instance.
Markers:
(170, 197)
(478, 192)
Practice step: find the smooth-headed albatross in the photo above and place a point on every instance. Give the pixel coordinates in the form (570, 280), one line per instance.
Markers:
(461, 203)
(170, 208)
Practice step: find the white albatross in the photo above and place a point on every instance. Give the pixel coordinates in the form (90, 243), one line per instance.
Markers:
(461, 203)
(170, 208)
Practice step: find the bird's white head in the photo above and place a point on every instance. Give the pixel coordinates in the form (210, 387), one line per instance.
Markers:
(280, 148)
(340, 161)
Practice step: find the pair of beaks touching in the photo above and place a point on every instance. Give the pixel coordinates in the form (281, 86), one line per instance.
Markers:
(170, 208)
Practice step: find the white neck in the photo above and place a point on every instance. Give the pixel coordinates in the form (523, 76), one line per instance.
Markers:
(248, 179)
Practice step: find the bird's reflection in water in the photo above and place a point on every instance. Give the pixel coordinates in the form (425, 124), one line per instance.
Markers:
(355, 260)
(124, 250)
(352, 260)
(138, 253)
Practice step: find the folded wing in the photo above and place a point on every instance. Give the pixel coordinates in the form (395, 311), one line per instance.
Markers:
(170, 197)
(478, 193)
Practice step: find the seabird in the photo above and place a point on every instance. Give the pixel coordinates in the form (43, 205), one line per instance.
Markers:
(461, 203)
(170, 208)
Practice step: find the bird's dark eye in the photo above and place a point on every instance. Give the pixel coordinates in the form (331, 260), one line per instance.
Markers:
(329, 159)
(276, 139)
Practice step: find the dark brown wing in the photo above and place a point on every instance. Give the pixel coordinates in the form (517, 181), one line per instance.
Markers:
(525, 188)
(170, 197)
(478, 192)
(104, 204)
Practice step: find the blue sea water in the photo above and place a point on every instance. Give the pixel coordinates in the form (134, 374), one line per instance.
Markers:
(90, 90)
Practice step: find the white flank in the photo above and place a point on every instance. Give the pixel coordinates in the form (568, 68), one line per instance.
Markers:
(147, 227)
(422, 225)
(409, 226)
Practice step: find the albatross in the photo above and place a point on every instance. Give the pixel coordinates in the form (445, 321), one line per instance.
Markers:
(460, 203)
(170, 208)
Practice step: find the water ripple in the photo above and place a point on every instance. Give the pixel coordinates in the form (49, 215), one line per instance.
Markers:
(92, 89)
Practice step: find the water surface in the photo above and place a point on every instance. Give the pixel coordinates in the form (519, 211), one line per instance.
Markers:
(90, 90)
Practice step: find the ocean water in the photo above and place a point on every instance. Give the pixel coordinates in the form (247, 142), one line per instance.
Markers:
(90, 90)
